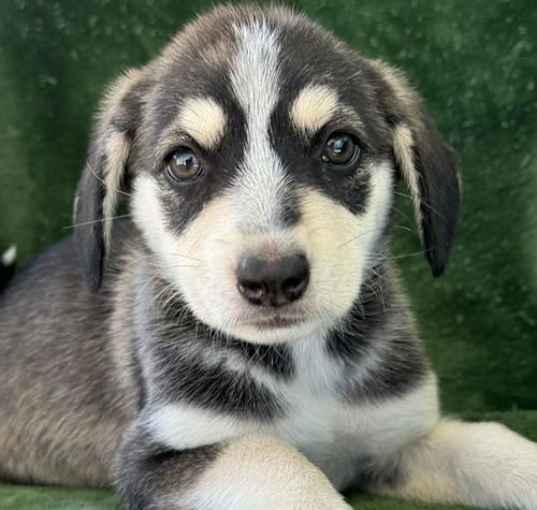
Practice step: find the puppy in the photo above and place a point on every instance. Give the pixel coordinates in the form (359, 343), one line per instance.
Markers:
(243, 341)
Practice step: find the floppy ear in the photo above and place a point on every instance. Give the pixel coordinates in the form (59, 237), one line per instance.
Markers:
(103, 180)
(426, 164)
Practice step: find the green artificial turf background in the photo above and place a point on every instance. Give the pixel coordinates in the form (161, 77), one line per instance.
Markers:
(475, 63)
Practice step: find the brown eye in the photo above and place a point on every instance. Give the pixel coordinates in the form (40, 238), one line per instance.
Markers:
(340, 149)
(183, 164)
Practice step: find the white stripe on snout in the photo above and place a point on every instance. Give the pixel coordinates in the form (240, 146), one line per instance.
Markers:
(261, 181)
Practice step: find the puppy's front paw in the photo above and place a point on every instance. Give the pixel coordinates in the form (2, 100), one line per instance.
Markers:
(315, 492)
(261, 473)
(324, 497)
(332, 502)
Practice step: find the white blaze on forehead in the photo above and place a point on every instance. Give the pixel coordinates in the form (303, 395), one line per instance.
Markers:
(313, 108)
(261, 181)
(255, 75)
(203, 119)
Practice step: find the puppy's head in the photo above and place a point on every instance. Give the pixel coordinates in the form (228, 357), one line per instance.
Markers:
(260, 155)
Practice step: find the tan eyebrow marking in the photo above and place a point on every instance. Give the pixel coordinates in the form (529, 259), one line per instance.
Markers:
(204, 120)
(313, 108)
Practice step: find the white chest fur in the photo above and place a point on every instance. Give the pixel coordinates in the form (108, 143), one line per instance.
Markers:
(337, 436)
(340, 437)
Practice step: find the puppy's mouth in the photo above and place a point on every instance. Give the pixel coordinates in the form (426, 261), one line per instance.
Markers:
(276, 321)
(276, 326)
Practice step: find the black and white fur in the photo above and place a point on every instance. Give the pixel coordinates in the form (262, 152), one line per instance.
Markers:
(154, 373)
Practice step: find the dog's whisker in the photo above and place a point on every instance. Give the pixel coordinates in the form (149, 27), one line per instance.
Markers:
(105, 184)
(423, 203)
(101, 220)
(407, 255)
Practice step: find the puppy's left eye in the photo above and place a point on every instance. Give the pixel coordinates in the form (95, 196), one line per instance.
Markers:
(340, 149)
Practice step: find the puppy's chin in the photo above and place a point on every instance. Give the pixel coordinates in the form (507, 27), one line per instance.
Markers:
(262, 330)
(274, 332)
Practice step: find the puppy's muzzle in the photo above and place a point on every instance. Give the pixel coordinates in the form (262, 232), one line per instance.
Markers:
(264, 281)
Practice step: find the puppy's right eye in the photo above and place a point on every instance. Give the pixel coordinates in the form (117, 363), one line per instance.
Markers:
(183, 165)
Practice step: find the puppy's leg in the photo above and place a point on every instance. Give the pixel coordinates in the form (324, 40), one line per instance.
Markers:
(249, 473)
(479, 464)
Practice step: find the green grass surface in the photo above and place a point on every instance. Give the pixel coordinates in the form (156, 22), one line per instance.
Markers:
(13, 497)
(40, 498)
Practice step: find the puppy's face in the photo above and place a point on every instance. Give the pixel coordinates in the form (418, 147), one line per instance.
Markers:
(262, 169)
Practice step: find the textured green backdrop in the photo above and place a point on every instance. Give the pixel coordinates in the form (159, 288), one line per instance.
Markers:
(475, 63)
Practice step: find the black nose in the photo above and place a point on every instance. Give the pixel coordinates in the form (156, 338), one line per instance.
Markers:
(273, 282)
